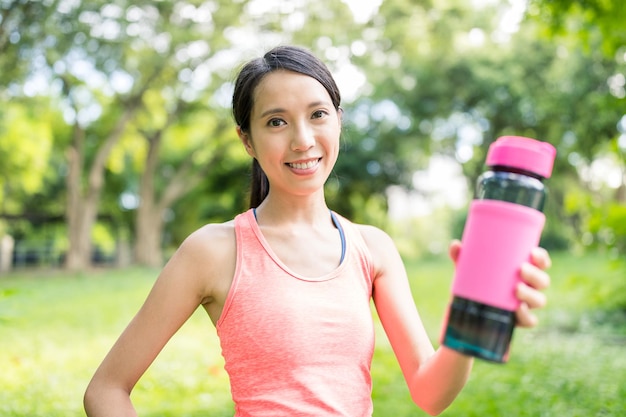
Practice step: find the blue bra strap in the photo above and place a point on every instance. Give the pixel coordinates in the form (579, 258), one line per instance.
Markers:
(341, 234)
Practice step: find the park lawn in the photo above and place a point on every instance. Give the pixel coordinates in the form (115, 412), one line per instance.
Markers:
(55, 329)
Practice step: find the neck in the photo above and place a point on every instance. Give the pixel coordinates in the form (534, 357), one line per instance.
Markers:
(278, 210)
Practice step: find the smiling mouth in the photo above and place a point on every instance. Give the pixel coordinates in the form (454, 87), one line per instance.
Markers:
(304, 165)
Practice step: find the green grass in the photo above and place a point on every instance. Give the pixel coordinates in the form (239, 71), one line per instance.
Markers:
(55, 329)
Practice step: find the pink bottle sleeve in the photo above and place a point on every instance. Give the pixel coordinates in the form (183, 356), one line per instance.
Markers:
(497, 239)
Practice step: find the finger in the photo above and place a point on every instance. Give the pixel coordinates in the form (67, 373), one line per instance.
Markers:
(540, 258)
(454, 250)
(524, 317)
(531, 297)
(534, 277)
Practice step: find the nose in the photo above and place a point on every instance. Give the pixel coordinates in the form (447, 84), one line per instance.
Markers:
(303, 137)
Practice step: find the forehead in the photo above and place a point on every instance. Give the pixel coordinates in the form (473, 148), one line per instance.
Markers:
(284, 88)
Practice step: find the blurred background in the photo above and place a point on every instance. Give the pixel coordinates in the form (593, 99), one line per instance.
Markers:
(117, 139)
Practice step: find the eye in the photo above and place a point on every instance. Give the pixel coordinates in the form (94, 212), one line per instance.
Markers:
(318, 114)
(275, 122)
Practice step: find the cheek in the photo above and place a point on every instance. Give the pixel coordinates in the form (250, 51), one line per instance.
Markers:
(333, 145)
(263, 149)
(334, 136)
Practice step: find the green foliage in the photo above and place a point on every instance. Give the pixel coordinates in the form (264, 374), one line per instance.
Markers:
(607, 226)
(25, 147)
(599, 214)
(439, 77)
(586, 19)
(554, 237)
(20, 30)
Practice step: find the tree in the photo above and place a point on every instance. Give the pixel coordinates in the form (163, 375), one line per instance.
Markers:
(177, 116)
(25, 124)
(145, 88)
(126, 49)
(598, 27)
(184, 174)
(212, 156)
(585, 20)
(21, 30)
(107, 62)
(453, 81)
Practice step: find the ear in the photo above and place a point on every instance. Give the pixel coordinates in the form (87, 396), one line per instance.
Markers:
(340, 115)
(247, 143)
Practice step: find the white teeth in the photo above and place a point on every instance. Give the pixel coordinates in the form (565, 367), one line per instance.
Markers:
(305, 165)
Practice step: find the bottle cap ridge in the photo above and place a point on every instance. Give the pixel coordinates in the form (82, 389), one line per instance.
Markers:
(522, 153)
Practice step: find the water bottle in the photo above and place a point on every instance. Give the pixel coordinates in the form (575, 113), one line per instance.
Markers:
(504, 223)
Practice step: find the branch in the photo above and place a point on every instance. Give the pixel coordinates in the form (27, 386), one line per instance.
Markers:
(131, 106)
(183, 181)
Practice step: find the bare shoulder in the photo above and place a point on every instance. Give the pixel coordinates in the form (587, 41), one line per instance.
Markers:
(376, 239)
(210, 240)
(380, 245)
(208, 254)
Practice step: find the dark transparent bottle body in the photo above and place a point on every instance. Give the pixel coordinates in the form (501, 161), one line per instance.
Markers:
(513, 185)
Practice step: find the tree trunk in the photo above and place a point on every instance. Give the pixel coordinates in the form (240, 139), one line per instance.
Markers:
(149, 221)
(81, 217)
(82, 202)
(77, 256)
(7, 244)
(148, 235)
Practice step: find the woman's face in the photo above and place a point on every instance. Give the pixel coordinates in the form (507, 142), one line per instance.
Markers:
(294, 132)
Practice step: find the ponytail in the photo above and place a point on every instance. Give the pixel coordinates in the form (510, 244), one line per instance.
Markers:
(260, 185)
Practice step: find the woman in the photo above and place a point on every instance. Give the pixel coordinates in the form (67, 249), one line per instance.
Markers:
(288, 283)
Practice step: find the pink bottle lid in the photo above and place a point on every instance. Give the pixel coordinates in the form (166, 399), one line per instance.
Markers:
(522, 153)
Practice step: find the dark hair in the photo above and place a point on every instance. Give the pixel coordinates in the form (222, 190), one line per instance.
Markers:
(290, 58)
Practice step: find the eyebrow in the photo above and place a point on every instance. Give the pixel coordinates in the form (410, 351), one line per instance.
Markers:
(271, 111)
(281, 110)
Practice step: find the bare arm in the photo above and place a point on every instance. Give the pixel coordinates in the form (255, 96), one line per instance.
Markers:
(434, 378)
(186, 282)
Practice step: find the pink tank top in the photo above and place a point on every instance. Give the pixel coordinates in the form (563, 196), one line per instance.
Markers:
(293, 345)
